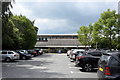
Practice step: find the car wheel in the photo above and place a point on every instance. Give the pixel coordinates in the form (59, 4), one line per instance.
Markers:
(8, 59)
(24, 58)
(87, 67)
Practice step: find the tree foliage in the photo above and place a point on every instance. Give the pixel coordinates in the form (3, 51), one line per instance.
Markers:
(84, 35)
(21, 33)
(103, 32)
(5, 15)
(18, 32)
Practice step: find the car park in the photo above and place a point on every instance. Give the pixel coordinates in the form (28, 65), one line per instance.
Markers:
(24, 54)
(8, 55)
(109, 66)
(89, 60)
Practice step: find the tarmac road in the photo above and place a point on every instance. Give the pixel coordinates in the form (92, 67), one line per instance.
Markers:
(44, 66)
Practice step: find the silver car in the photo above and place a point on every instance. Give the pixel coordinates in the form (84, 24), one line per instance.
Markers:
(9, 55)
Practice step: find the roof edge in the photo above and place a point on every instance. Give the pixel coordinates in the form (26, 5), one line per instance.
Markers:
(57, 34)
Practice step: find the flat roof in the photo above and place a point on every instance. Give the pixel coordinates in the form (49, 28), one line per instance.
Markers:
(57, 34)
(63, 46)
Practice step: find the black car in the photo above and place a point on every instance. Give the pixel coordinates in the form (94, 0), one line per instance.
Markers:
(79, 56)
(89, 60)
(33, 52)
(109, 66)
(24, 54)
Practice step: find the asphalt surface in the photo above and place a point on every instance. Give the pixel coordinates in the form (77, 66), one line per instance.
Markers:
(45, 66)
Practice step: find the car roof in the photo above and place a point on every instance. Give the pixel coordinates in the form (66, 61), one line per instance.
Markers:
(112, 53)
(6, 50)
(95, 51)
(79, 50)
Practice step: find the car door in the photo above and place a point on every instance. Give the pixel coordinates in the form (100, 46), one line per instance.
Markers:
(11, 54)
(0, 55)
(96, 56)
(115, 66)
(4, 55)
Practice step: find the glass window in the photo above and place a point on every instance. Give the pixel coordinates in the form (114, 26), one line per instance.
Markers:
(95, 53)
(45, 39)
(104, 59)
(80, 54)
(114, 62)
(10, 53)
(4, 52)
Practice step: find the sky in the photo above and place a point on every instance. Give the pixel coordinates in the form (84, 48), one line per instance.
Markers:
(62, 16)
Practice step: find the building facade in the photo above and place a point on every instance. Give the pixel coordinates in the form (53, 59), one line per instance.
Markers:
(57, 42)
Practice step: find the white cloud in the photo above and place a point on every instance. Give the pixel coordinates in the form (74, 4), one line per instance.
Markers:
(49, 24)
(67, 0)
(60, 21)
(18, 9)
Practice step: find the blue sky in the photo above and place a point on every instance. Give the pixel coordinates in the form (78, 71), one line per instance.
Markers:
(60, 17)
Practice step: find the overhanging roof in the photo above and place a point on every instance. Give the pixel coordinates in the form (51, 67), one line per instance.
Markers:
(60, 43)
(57, 34)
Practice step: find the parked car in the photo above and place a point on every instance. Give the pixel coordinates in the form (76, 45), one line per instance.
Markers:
(68, 52)
(109, 66)
(89, 60)
(37, 51)
(24, 54)
(79, 56)
(41, 51)
(75, 52)
(9, 55)
(71, 52)
(32, 52)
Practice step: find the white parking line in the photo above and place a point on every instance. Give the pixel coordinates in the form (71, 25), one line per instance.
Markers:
(35, 67)
(74, 67)
(50, 71)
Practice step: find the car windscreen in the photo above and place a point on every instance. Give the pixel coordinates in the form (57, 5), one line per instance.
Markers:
(95, 53)
(80, 54)
(23, 52)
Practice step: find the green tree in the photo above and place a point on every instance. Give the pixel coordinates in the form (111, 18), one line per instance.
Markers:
(5, 14)
(108, 20)
(96, 34)
(90, 27)
(26, 32)
(102, 33)
(83, 35)
(18, 32)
